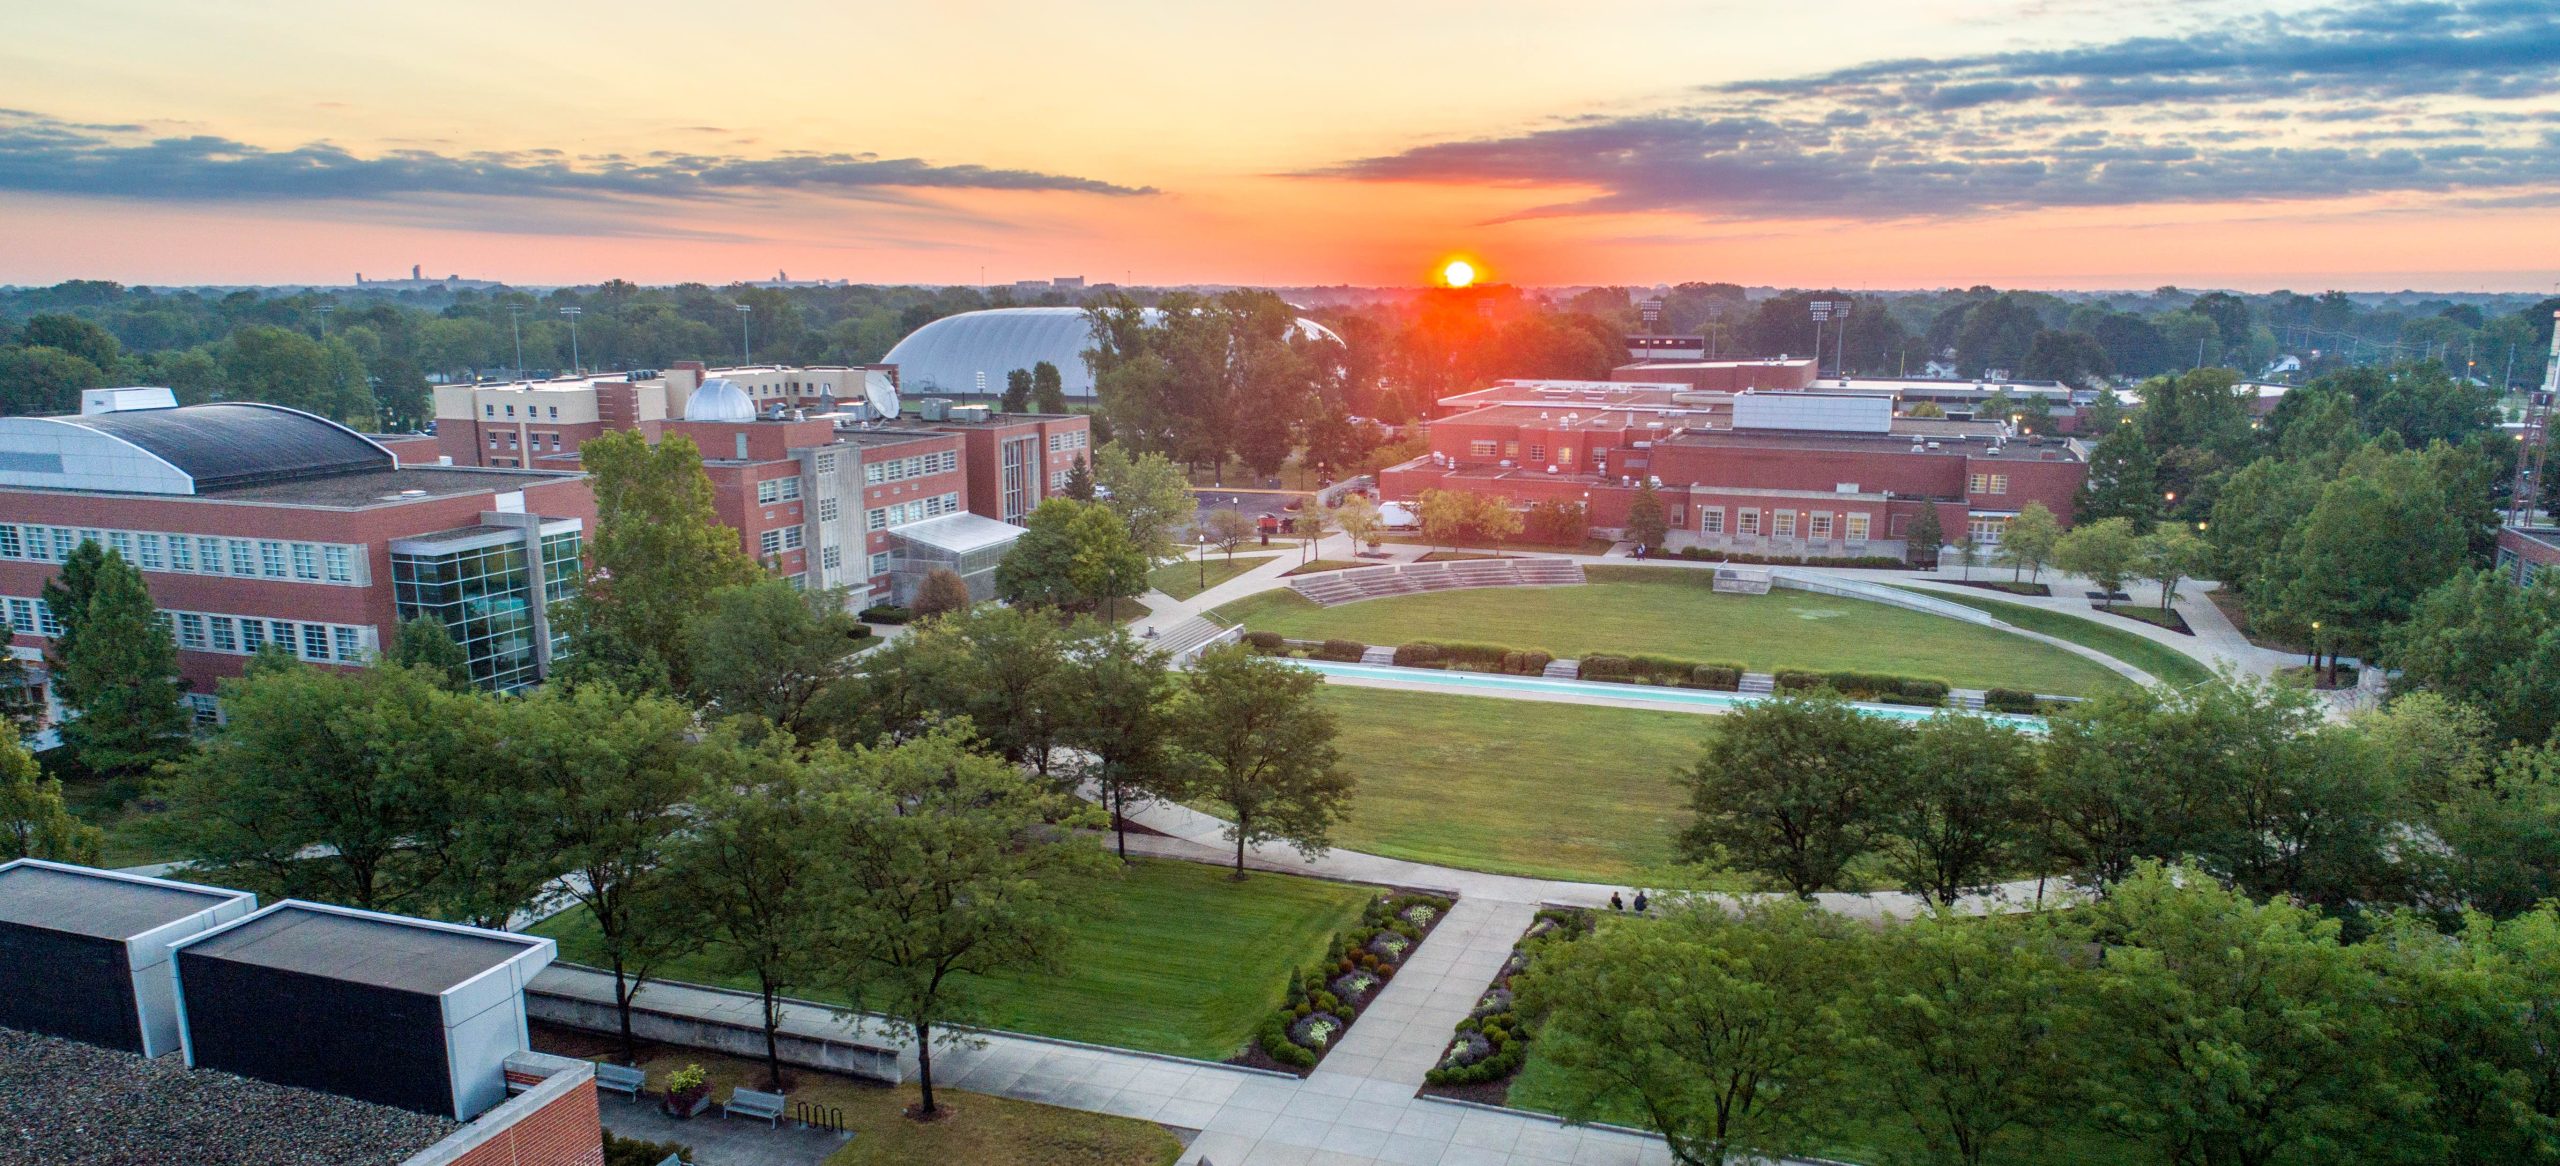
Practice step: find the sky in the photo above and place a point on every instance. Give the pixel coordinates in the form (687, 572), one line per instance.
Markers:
(2363, 144)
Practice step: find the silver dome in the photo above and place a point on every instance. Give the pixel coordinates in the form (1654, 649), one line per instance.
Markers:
(972, 352)
(719, 399)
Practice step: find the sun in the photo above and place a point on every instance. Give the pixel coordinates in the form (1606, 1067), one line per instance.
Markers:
(1458, 273)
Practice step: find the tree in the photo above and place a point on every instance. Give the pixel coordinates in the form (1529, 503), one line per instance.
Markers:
(1005, 669)
(2357, 564)
(2105, 552)
(1789, 789)
(2073, 358)
(1265, 749)
(1312, 526)
(1359, 519)
(34, 820)
(1647, 524)
(610, 775)
(1973, 1032)
(1150, 494)
(773, 652)
(1017, 392)
(67, 595)
(2122, 480)
(942, 591)
(37, 380)
(1447, 516)
(2167, 556)
(124, 669)
(22, 708)
(1080, 480)
(2236, 1032)
(2502, 837)
(423, 643)
(1966, 545)
(1494, 521)
(1227, 529)
(2479, 639)
(328, 785)
(1720, 1028)
(1071, 555)
(80, 338)
(1122, 720)
(2253, 511)
(748, 868)
(1558, 523)
(659, 552)
(1048, 389)
(2473, 1012)
(1920, 542)
(2027, 542)
(940, 871)
(1963, 812)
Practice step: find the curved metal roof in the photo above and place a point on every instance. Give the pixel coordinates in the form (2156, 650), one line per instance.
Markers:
(719, 399)
(972, 352)
(241, 443)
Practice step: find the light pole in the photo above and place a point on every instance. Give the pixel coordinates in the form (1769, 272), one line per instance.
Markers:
(1821, 312)
(515, 324)
(1202, 537)
(575, 366)
(746, 350)
(323, 311)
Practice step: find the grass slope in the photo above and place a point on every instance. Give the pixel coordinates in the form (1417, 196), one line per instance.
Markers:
(1671, 611)
(1517, 787)
(2160, 660)
(1181, 579)
(1185, 962)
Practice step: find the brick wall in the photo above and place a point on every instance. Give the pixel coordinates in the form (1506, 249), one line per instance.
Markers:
(563, 1131)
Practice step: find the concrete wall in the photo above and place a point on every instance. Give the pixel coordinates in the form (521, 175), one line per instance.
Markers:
(869, 1061)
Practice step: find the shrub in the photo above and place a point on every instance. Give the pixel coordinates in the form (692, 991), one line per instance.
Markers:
(1420, 655)
(1273, 1036)
(889, 613)
(2010, 700)
(1345, 651)
(1601, 666)
(1266, 643)
(1526, 663)
(1794, 679)
(1924, 691)
(1727, 677)
(634, 1152)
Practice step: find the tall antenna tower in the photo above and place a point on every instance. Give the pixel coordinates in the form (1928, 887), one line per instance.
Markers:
(2534, 441)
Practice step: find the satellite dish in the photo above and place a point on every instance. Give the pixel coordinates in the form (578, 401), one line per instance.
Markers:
(882, 393)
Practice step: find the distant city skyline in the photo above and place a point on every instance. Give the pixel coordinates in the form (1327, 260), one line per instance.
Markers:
(2374, 145)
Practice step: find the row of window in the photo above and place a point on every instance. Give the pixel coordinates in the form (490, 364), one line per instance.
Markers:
(193, 554)
(900, 514)
(1486, 447)
(772, 490)
(492, 411)
(324, 643)
(1818, 524)
(1988, 484)
(1062, 442)
(533, 442)
(780, 539)
(901, 469)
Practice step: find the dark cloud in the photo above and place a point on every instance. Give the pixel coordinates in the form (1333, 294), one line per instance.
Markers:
(43, 155)
(2384, 96)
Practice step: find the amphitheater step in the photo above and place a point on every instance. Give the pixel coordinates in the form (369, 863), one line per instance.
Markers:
(1564, 669)
(1759, 683)
(1186, 637)
(1378, 654)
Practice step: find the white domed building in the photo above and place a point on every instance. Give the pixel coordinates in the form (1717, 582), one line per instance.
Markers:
(972, 352)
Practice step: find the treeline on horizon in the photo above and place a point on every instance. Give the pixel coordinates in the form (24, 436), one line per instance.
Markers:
(368, 357)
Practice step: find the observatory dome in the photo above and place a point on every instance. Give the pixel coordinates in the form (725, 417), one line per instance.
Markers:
(719, 399)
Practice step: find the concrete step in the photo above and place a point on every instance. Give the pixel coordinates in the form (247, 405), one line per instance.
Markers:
(1759, 683)
(1564, 669)
(1378, 654)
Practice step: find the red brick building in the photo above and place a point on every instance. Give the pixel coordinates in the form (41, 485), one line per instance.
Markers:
(1782, 473)
(256, 524)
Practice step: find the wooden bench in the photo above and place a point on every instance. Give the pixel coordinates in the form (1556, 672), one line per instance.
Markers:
(753, 1104)
(619, 1079)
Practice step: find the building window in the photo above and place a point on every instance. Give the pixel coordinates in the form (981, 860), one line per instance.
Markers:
(209, 555)
(1711, 520)
(22, 616)
(152, 559)
(1537, 451)
(9, 546)
(770, 542)
(877, 519)
(829, 509)
(1986, 528)
(555, 415)
(244, 557)
(205, 709)
(348, 645)
(253, 635)
(826, 463)
(315, 641)
(1020, 464)
(791, 538)
(121, 543)
(1481, 448)
(1821, 524)
(1858, 528)
(306, 561)
(182, 553)
(63, 543)
(511, 410)
(1989, 484)
(226, 633)
(191, 631)
(270, 559)
(341, 565)
(1747, 521)
(831, 558)
(880, 563)
(489, 411)
(1786, 524)
(1510, 449)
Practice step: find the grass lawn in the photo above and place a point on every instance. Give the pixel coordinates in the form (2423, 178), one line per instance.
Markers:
(1181, 578)
(1185, 962)
(1518, 787)
(1671, 611)
(980, 1128)
(2160, 660)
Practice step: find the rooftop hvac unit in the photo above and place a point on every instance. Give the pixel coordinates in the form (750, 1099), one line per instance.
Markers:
(84, 954)
(972, 414)
(1933, 445)
(934, 408)
(1551, 468)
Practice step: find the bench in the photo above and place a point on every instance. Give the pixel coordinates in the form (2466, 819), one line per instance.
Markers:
(753, 1104)
(619, 1079)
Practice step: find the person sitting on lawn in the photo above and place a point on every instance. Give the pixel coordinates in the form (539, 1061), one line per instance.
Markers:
(1640, 901)
(1615, 903)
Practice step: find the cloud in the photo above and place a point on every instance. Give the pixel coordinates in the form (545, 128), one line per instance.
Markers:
(44, 155)
(2381, 97)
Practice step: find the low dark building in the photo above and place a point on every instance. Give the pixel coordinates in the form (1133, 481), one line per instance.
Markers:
(84, 954)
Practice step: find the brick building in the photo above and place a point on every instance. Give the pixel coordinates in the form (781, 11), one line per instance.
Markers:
(823, 478)
(256, 524)
(1797, 472)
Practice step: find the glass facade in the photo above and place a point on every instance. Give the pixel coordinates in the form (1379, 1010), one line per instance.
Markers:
(483, 591)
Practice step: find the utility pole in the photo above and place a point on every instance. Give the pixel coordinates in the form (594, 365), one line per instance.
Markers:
(746, 348)
(515, 324)
(575, 366)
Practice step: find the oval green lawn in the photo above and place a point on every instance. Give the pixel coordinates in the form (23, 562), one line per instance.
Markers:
(1670, 611)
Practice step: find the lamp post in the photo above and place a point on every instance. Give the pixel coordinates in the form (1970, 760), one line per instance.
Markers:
(575, 365)
(1202, 537)
(746, 348)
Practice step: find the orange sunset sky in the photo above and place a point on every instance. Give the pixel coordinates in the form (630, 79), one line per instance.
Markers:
(2048, 143)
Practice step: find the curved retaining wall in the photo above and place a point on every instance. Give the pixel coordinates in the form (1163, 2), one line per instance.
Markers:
(1801, 580)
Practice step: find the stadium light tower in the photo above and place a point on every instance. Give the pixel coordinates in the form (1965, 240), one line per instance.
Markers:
(573, 313)
(746, 349)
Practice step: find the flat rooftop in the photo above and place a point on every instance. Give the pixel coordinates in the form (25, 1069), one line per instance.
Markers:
(371, 488)
(356, 949)
(1597, 415)
(890, 435)
(71, 1104)
(1899, 441)
(97, 905)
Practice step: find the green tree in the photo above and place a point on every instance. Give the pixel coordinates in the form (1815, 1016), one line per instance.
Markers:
(1359, 519)
(2473, 1015)
(1227, 529)
(1963, 811)
(329, 785)
(1080, 480)
(1017, 392)
(1647, 523)
(1048, 389)
(1007, 670)
(1789, 790)
(942, 591)
(659, 553)
(2074, 358)
(2502, 837)
(81, 338)
(67, 595)
(749, 868)
(1719, 1028)
(2375, 542)
(1264, 747)
(1448, 516)
(2256, 507)
(1122, 722)
(124, 670)
(2167, 556)
(2479, 639)
(422, 642)
(1925, 536)
(2105, 552)
(938, 873)
(34, 820)
(280, 367)
(773, 652)
(1071, 555)
(37, 380)
(1313, 524)
(1495, 521)
(2027, 542)
(2121, 482)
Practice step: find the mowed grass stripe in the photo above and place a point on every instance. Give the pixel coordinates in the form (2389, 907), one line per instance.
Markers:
(2160, 660)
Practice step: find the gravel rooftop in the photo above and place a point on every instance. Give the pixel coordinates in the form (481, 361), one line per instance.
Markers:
(74, 1104)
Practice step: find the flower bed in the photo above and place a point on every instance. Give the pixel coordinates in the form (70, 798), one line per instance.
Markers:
(1493, 1041)
(1325, 999)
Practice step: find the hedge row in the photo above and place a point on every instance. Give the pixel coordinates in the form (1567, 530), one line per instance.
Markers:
(1662, 670)
(1869, 686)
(1473, 657)
(2010, 700)
(1267, 643)
(885, 613)
(1866, 562)
(1344, 651)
